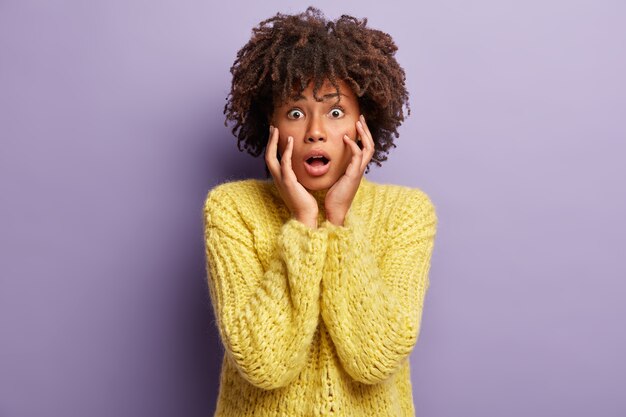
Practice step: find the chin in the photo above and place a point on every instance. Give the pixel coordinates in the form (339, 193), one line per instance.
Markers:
(318, 183)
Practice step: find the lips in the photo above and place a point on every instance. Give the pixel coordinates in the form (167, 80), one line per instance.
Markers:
(317, 162)
(317, 153)
(315, 159)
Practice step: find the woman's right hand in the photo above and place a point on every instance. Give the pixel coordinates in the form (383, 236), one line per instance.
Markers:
(300, 202)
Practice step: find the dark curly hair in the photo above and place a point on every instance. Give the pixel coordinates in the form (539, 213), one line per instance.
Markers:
(287, 52)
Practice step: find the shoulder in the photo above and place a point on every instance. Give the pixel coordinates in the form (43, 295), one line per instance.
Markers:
(238, 191)
(404, 205)
(230, 190)
(236, 197)
(403, 211)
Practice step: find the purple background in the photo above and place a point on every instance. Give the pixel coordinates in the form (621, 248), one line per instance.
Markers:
(112, 133)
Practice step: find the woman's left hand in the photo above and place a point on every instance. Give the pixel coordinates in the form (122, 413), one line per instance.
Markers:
(339, 197)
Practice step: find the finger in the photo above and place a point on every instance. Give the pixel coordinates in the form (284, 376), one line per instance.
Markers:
(368, 144)
(285, 161)
(365, 127)
(369, 138)
(269, 144)
(354, 168)
(270, 154)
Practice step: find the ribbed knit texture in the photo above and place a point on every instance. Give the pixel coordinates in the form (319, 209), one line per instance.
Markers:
(317, 322)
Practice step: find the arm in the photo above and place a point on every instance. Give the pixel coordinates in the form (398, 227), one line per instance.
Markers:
(266, 317)
(373, 307)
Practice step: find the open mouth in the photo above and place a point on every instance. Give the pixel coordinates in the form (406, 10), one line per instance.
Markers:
(317, 161)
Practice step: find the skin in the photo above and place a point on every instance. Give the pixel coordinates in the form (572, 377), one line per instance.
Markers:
(302, 124)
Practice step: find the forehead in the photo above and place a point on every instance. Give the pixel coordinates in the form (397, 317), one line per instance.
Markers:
(327, 91)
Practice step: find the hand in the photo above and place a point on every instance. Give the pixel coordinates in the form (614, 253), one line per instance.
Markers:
(339, 197)
(300, 202)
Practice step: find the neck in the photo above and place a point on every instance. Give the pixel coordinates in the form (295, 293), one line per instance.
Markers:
(320, 196)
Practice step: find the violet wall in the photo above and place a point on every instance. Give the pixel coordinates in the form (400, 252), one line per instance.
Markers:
(112, 133)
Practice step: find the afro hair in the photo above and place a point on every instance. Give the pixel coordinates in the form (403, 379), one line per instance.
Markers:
(288, 52)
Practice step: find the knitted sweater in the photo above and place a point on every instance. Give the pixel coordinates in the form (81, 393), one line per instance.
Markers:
(317, 322)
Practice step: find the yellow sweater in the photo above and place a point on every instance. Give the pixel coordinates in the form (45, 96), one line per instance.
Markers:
(317, 322)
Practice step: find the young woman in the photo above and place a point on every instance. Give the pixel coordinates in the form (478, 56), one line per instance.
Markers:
(317, 276)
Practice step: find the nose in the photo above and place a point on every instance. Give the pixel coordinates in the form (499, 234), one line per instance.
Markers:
(315, 130)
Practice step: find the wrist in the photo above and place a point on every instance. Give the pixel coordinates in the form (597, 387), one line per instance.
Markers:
(336, 220)
(308, 220)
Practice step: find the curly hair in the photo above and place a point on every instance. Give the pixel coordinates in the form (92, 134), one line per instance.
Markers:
(287, 52)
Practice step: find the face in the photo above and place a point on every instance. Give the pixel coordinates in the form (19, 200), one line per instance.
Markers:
(318, 126)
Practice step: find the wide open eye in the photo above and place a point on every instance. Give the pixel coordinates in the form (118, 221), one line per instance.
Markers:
(336, 113)
(295, 114)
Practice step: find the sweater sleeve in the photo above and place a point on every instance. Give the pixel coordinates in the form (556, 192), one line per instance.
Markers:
(372, 307)
(266, 316)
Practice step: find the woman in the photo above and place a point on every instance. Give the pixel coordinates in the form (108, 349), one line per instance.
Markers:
(317, 276)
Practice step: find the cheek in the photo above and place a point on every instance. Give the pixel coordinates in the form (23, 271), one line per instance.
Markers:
(282, 146)
(350, 130)
(281, 143)
(282, 140)
(283, 134)
(352, 134)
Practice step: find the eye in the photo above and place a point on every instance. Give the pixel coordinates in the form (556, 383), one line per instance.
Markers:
(336, 113)
(294, 114)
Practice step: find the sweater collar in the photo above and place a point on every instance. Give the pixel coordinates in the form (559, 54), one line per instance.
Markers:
(320, 195)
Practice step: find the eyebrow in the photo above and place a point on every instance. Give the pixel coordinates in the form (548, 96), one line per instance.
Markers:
(324, 97)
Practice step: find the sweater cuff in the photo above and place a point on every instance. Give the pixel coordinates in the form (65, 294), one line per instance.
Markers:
(352, 224)
(297, 235)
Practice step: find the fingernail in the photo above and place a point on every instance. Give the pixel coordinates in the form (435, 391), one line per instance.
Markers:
(289, 139)
(359, 123)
